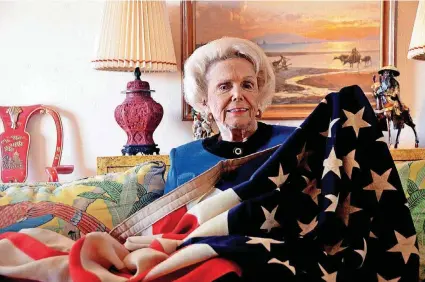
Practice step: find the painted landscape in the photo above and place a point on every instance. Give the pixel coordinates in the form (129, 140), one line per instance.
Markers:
(314, 47)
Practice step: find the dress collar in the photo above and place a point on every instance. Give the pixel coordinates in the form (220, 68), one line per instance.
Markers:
(231, 150)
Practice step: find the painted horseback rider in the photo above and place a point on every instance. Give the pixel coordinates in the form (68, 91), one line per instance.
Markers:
(355, 54)
(388, 104)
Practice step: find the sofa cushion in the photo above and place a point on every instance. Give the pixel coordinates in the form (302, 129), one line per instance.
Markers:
(78, 207)
(412, 175)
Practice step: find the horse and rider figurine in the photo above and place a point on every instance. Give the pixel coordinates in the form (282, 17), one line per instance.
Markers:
(389, 107)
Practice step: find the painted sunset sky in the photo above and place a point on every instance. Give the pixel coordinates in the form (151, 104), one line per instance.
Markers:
(288, 21)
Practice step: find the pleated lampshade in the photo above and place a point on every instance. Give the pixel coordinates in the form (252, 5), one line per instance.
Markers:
(417, 43)
(135, 33)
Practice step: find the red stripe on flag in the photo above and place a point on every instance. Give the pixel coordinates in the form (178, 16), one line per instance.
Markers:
(169, 222)
(76, 269)
(30, 246)
(156, 245)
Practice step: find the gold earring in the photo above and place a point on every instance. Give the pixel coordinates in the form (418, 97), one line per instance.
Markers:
(258, 115)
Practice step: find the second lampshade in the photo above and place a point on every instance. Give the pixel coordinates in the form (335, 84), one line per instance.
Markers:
(417, 43)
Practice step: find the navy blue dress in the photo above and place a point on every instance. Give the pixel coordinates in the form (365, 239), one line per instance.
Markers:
(194, 158)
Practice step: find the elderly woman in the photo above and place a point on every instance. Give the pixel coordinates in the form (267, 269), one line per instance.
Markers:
(231, 82)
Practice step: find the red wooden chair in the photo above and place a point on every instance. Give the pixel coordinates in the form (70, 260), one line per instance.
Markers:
(15, 143)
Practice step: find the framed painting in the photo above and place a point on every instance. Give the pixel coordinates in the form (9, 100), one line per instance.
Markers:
(315, 47)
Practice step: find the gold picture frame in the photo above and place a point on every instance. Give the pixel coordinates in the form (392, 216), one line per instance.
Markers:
(288, 111)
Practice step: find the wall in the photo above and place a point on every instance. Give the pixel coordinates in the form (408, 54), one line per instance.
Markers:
(46, 48)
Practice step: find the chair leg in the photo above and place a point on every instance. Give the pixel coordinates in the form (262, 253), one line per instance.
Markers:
(52, 173)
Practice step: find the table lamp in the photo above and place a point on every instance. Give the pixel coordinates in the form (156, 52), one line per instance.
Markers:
(136, 36)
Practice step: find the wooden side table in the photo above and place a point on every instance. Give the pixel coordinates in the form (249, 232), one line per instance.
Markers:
(122, 163)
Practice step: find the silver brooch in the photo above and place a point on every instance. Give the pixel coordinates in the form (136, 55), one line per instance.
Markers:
(237, 151)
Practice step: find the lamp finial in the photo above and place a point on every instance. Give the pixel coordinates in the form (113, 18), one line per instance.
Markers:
(137, 73)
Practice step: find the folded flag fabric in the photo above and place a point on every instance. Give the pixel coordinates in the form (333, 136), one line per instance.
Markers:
(326, 205)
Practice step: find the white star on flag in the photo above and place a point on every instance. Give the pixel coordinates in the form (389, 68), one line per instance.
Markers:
(346, 209)
(312, 190)
(381, 139)
(280, 178)
(382, 279)
(269, 222)
(266, 242)
(302, 158)
(333, 250)
(355, 120)
(406, 246)
(301, 154)
(307, 228)
(350, 163)
(328, 277)
(285, 263)
(334, 202)
(332, 163)
(380, 183)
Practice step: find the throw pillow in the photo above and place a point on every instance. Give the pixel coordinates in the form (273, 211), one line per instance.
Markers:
(78, 207)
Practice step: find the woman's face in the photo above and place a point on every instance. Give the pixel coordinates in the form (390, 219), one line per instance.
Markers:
(233, 93)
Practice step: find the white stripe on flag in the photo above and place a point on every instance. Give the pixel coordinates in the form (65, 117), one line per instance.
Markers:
(217, 226)
(215, 205)
(190, 255)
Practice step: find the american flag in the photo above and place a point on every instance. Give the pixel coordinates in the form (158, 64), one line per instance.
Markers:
(326, 205)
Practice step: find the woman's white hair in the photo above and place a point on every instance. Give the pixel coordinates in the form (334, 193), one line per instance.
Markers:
(196, 67)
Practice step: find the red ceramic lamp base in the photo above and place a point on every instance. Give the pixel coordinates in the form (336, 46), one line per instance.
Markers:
(139, 115)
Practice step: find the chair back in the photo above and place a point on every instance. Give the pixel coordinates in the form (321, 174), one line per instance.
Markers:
(15, 141)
